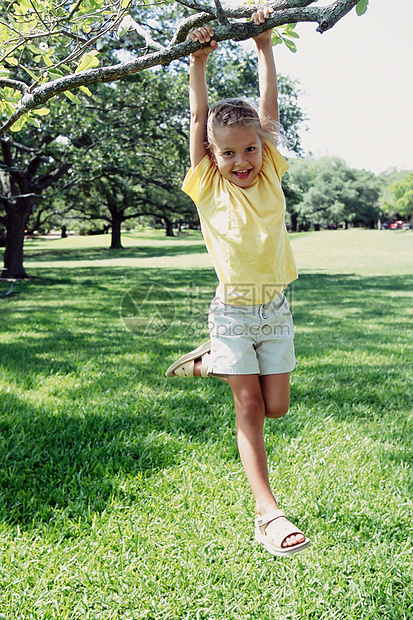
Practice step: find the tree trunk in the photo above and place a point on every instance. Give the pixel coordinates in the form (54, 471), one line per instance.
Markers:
(294, 222)
(169, 228)
(16, 221)
(116, 234)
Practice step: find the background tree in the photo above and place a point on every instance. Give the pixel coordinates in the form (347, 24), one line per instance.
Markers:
(137, 131)
(403, 196)
(28, 166)
(296, 183)
(330, 193)
(397, 194)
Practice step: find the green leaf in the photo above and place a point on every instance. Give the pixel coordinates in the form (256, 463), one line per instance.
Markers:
(88, 61)
(34, 49)
(4, 33)
(85, 90)
(34, 121)
(361, 7)
(24, 6)
(292, 35)
(72, 97)
(55, 74)
(35, 77)
(124, 26)
(289, 31)
(19, 124)
(42, 111)
(276, 39)
(291, 45)
(12, 100)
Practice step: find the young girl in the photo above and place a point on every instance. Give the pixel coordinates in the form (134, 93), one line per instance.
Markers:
(235, 182)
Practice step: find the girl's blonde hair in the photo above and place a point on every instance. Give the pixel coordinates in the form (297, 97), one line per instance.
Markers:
(229, 112)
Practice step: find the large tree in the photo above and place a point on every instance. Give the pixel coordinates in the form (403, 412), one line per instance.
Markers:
(27, 168)
(52, 46)
(137, 132)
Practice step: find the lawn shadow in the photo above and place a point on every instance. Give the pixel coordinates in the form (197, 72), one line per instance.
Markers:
(87, 403)
(101, 254)
(73, 462)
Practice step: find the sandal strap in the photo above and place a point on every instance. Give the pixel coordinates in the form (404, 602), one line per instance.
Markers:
(262, 521)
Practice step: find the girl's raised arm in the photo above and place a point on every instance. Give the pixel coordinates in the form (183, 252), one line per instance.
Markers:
(267, 73)
(198, 93)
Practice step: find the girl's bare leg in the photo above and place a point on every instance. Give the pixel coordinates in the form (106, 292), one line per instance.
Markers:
(249, 393)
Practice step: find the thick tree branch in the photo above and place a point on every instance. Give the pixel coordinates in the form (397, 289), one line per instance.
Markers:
(188, 24)
(52, 177)
(16, 84)
(287, 11)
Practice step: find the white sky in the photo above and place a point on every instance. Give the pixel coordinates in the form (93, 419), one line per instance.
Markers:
(357, 83)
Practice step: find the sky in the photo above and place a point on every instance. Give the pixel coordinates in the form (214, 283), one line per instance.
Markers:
(357, 86)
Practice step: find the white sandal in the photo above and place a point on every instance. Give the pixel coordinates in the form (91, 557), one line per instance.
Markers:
(187, 369)
(184, 366)
(274, 546)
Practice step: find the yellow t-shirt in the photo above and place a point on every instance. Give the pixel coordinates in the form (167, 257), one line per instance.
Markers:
(244, 230)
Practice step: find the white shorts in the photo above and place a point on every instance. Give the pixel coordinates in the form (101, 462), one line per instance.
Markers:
(247, 340)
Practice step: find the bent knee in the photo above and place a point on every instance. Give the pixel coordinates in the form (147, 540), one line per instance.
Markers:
(278, 409)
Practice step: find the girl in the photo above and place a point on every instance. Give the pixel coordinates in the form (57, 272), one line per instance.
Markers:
(234, 180)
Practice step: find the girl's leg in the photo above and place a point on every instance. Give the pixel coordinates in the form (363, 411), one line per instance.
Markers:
(276, 394)
(249, 393)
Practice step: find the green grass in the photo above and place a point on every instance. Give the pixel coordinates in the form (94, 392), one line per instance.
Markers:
(122, 495)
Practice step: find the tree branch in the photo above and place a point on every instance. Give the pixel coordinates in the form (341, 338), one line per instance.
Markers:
(220, 13)
(188, 24)
(16, 84)
(286, 11)
(150, 42)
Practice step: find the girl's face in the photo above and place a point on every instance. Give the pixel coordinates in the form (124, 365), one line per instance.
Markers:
(237, 153)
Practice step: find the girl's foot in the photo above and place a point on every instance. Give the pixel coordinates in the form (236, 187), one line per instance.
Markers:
(184, 366)
(278, 535)
(272, 531)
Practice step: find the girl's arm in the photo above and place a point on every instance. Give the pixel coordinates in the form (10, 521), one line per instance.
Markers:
(198, 93)
(267, 73)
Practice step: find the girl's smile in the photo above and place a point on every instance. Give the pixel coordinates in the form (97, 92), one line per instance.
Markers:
(237, 153)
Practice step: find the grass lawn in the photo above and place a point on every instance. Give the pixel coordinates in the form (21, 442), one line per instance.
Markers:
(122, 495)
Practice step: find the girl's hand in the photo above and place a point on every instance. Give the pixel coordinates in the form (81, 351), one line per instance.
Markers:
(259, 18)
(203, 35)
